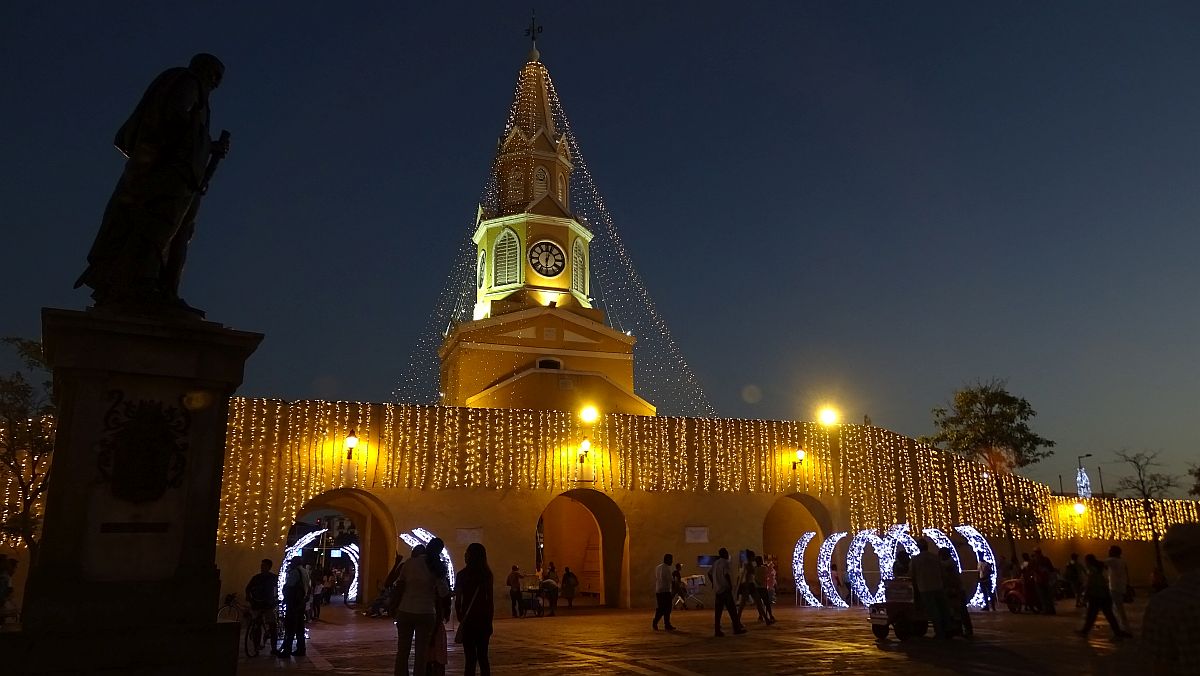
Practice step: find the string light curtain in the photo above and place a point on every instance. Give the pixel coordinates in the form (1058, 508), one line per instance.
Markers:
(281, 455)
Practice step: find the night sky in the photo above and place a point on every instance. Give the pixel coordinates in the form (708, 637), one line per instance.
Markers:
(870, 204)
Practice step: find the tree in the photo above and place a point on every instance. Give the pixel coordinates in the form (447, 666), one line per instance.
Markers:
(987, 424)
(1194, 470)
(1147, 485)
(26, 442)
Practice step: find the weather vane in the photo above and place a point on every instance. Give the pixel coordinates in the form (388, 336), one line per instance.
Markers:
(534, 28)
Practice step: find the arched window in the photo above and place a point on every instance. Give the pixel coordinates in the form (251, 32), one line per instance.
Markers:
(540, 182)
(481, 268)
(549, 363)
(513, 191)
(562, 187)
(506, 259)
(578, 268)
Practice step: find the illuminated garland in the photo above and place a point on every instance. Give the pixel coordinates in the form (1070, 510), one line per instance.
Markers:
(983, 552)
(884, 551)
(802, 589)
(1083, 485)
(281, 455)
(291, 553)
(825, 570)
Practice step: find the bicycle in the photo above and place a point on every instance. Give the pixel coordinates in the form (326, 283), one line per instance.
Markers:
(231, 610)
(262, 634)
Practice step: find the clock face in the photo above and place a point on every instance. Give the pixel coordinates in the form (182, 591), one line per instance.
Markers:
(547, 259)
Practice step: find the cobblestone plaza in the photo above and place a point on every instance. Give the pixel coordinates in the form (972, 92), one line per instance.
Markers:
(804, 641)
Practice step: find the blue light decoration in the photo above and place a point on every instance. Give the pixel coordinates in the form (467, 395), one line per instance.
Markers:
(899, 534)
(802, 589)
(410, 540)
(884, 551)
(983, 552)
(1083, 485)
(825, 575)
(291, 553)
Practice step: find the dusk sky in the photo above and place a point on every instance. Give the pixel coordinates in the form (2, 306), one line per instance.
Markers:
(869, 204)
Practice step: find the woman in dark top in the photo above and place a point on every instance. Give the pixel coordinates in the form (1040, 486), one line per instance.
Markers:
(474, 608)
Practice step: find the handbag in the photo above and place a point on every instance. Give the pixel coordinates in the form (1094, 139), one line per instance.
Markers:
(458, 636)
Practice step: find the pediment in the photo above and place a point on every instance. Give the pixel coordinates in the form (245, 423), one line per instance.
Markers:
(548, 205)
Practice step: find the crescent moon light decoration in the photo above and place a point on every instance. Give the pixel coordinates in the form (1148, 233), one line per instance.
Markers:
(983, 552)
(943, 542)
(884, 550)
(825, 575)
(291, 553)
(798, 570)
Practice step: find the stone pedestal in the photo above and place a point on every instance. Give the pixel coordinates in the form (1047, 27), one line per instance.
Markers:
(126, 580)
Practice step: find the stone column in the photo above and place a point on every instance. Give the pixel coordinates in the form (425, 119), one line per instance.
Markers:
(126, 580)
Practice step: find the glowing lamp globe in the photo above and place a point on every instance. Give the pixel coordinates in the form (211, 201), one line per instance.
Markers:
(589, 414)
(1080, 508)
(828, 416)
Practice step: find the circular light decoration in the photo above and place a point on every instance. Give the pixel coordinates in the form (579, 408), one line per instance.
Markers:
(983, 552)
(898, 537)
(420, 536)
(825, 574)
(798, 570)
(884, 550)
(942, 541)
(291, 553)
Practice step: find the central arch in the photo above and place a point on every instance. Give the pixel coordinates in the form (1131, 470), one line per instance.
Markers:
(790, 517)
(566, 539)
(376, 530)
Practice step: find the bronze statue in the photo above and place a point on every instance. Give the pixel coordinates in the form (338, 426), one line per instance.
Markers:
(136, 262)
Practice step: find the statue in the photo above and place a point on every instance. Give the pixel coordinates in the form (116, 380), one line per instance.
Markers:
(136, 261)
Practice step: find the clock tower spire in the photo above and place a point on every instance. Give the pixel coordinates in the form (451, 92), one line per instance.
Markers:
(535, 340)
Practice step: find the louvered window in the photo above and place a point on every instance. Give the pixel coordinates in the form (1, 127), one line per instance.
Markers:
(506, 260)
(578, 268)
(562, 188)
(481, 269)
(540, 182)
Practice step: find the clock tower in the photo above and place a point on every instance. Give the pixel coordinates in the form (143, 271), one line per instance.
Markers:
(535, 340)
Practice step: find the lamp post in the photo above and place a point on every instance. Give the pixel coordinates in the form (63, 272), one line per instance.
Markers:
(589, 415)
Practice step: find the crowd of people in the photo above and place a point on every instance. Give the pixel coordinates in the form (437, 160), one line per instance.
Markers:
(419, 599)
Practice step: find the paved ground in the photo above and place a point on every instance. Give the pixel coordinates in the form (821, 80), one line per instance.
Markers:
(804, 641)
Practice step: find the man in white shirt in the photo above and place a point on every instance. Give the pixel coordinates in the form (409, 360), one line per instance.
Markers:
(723, 588)
(1118, 582)
(662, 592)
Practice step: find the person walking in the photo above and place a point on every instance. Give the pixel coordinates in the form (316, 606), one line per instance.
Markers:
(1171, 625)
(931, 591)
(514, 591)
(570, 583)
(424, 586)
(295, 595)
(760, 588)
(1118, 583)
(550, 587)
(772, 580)
(722, 584)
(1099, 600)
(1074, 575)
(678, 590)
(662, 593)
(473, 606)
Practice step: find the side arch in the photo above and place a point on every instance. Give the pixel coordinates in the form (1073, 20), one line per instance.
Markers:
(376, 530)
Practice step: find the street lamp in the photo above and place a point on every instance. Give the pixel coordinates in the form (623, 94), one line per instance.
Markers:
(799, 459)
(584, 447)
(1080, 508)
(351, 443)
(589, 414)
(828, 416)
(1080, 458)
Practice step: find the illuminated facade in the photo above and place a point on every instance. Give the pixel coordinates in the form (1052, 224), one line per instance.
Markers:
(508, 442)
